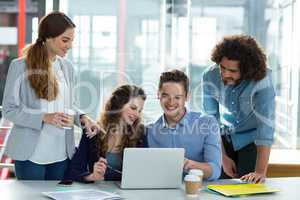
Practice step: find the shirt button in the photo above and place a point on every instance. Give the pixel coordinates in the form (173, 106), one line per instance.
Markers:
(237, 121)
(232, 102)
(233, 91)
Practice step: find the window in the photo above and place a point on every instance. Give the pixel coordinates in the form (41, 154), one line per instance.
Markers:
(104, 39)
(81, 46)
(165, 34)
(34, 33)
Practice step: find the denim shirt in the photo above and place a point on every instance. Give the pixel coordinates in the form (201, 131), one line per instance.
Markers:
(244, 111)
(198, 134)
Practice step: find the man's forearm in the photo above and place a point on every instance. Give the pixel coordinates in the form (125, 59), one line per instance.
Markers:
(223, 150)
(262, 159)
(207, 169)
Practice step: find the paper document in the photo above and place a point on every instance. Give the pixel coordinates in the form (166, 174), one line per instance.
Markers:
(82, 195)
(242, 189)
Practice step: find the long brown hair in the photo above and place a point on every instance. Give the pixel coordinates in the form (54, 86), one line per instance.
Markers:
(111, 117)
(39, 70)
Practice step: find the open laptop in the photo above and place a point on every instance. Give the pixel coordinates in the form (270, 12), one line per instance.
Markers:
(146, 168)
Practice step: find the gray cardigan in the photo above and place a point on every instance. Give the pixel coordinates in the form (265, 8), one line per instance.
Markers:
(22, 107)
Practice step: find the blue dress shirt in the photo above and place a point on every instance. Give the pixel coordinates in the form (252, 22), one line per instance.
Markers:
(245, 111)
(198, 134)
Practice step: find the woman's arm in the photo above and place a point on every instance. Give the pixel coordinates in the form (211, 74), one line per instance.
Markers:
(14, 109)
(78, 168)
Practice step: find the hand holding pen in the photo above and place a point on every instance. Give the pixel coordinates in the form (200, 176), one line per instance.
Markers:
(99, 169)
(115, 170)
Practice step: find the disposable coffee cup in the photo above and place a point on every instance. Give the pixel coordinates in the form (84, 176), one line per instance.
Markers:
(71, 114)
(199, 173)
(192, 184)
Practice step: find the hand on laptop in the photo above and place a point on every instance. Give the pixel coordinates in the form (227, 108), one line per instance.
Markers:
(99, 170)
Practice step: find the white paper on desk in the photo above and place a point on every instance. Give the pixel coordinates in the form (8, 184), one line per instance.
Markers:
(82, 195)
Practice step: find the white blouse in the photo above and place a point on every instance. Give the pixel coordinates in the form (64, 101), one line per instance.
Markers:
(51, 146)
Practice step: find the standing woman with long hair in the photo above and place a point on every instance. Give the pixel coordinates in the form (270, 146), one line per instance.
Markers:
(37, 94)
(100, 158)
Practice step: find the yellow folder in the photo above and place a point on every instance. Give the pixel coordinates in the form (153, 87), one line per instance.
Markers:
(242, 189)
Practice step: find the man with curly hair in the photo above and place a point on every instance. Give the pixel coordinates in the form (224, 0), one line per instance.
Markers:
(238, 91)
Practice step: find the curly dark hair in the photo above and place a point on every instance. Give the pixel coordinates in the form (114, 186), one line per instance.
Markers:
(243, 48)
(175, 76)
(111, 116)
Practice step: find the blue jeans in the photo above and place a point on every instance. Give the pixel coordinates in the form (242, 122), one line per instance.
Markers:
(27, 170)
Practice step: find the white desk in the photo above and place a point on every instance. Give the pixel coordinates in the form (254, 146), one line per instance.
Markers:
(31, 190)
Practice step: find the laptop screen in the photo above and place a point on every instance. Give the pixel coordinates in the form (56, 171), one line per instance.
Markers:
(152, 168)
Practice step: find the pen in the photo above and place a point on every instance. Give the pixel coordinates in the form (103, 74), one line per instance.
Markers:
(115, 170)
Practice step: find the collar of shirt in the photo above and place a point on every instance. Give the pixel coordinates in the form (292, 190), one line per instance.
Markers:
(181, 123)
(240, 85)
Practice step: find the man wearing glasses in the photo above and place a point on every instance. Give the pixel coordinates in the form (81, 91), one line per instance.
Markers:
(238, 91)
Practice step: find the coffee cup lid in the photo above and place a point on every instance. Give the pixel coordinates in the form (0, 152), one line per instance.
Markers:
(197, 172)
(191, 178)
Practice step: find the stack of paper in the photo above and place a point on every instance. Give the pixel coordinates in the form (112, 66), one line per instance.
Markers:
(242, 189)
(82, 195)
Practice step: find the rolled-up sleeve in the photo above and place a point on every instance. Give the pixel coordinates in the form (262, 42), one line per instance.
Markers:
(264, 111)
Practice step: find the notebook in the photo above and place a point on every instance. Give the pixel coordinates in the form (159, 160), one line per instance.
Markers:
(82, 195)
(242, 189)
